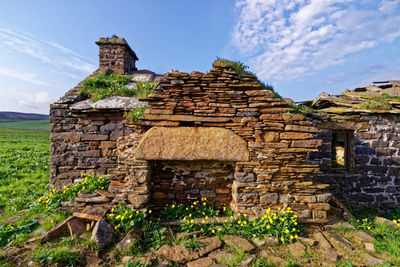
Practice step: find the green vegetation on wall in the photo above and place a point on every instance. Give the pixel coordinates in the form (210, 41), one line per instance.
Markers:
(242, 69)
(109, 84)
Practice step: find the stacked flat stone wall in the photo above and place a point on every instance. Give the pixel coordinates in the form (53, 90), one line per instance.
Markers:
(276, 174)
(372, 179)
(82, 142)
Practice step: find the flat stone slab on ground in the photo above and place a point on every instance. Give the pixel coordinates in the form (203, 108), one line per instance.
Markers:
(238, 242)
(297, 249)
(275, 260)
(372, 260)
(185, 234)
(57, 231)
(221, 256)
(363, 237)
(210, 244)
(265, 241)
(131, 238)
(369, 247)
(247, 261)
(332, 256)
(202, 262)
(385, 221)
(337, 241)
(176, 253)
(322, 242)
(339, 224)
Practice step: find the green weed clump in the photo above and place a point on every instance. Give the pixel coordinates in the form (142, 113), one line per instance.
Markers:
(125, 219)
(91, 182)
(105, 85)
(198, 209)
(108, 84)
(144, 89)
(9, 232)
(282, 225)
(60, 255)
(376, 103)
(135, 113)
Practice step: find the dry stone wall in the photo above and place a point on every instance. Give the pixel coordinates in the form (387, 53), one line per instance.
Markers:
(276, 173)
(81, 143)
(373, 177)
(263, 163)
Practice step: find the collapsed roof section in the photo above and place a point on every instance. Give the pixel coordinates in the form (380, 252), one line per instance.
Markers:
(380, 97)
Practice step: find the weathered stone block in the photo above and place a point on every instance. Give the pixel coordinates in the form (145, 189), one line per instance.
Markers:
(245, 177)
(270, 198)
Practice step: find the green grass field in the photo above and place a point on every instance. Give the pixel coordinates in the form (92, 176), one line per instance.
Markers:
(24, 168)
(37, 125)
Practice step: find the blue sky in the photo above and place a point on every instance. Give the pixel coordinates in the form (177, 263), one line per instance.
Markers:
(302, 47)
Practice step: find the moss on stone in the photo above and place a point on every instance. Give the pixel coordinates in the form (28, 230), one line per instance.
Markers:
(376, 103)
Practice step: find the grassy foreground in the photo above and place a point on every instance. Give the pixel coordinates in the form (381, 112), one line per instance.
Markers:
(36, 125)
(24, 168)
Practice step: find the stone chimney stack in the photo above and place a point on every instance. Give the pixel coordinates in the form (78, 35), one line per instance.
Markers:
(116, 54)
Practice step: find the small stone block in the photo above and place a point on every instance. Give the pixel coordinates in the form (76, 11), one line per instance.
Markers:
(332, 256)
(369, 247)
(202, 262)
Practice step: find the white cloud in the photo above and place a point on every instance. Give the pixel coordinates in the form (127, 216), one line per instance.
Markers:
(14, 99)
(23, 76)
(288, 39)
(46, 51)
(38, 100)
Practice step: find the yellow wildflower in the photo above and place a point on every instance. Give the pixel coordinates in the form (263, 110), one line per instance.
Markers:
(190, 215)
(213, 231)
(395, 221)
(206, 217)
(118, 216)
(291, 237)
(296, 236)
(203, 221)
(191, 221)
(282, 239)
(150, 211)
(137, 212)
(268, 226)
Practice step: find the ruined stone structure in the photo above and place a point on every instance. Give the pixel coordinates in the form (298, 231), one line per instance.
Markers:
(359, 156)
(219, 135)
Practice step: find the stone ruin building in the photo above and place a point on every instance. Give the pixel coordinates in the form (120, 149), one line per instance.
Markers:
(221, 135)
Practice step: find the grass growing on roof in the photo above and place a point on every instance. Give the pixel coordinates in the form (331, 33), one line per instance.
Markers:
(109, 84)
(376, 103)
(243, 69)
(105, 85)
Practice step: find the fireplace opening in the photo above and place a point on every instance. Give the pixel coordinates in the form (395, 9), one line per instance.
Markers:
(186, 181)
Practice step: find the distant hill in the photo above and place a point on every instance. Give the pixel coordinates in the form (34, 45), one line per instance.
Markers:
(7, 115)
